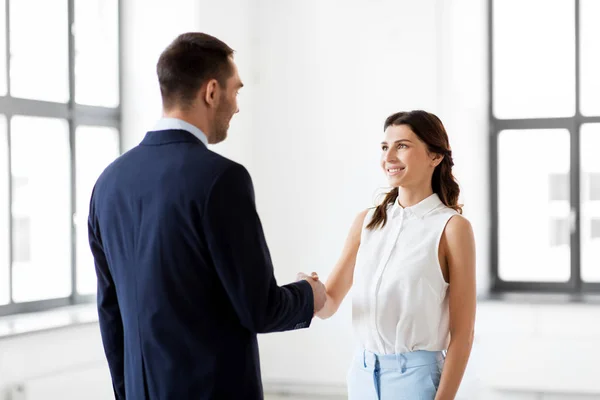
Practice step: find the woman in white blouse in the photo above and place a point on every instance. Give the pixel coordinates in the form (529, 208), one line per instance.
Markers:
(411, 261)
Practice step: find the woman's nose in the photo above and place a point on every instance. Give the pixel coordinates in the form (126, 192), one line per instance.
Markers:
(390, 156)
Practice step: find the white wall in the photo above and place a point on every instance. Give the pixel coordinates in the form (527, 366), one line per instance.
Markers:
(463, 93)
(534, 348)
(149, 27)
(66, 364)
(331, 72)
(335, 71)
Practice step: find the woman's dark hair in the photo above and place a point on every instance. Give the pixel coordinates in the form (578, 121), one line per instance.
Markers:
(431, 131)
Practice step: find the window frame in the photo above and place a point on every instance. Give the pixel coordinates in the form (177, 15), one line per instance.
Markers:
(573, 124)
(76, 115)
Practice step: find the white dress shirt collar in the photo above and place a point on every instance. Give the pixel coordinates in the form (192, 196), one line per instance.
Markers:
(174, 123)
(420, 209)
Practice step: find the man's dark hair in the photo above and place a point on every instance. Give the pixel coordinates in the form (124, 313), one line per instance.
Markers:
(190, 60)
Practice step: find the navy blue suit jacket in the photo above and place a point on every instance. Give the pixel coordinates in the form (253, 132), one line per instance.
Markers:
(185, 280)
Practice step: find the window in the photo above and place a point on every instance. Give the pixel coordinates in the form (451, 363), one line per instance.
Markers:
(59, 128)
(590, 202)
(41, 209)
(545, 127)
(29, 78)
(96, 53)
(4, 216)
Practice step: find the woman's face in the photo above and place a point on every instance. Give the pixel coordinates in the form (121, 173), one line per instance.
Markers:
(405, 158)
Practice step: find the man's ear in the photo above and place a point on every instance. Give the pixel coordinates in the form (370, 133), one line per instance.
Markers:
(210, 95)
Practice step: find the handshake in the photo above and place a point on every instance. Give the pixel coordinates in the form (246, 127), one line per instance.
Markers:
(319, 291)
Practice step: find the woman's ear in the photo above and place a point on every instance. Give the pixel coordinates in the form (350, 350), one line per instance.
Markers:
(436, 159)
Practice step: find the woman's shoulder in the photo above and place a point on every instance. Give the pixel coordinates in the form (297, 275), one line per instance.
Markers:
(458, 229)
(362, 218)
(444, 210)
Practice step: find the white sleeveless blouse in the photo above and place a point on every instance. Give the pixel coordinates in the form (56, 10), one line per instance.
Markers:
(399, 295)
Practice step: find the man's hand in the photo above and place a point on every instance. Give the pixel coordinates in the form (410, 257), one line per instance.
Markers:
(319, 292)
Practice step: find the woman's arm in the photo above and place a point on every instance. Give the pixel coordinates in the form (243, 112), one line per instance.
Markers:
(459, 249)
(340, 280)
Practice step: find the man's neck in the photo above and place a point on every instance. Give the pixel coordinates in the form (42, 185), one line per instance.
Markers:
(184, 116)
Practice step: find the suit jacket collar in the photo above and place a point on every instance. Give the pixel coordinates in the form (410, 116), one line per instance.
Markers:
(157, 138)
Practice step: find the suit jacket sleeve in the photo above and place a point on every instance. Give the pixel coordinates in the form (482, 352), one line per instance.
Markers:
(109, 315)
(237, 246)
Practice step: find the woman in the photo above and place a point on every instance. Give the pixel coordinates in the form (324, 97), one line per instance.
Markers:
(412, 263)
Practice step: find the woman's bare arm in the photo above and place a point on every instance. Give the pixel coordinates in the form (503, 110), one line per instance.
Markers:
(459, 248)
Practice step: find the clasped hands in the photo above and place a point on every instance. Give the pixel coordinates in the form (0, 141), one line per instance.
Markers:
(319, 291)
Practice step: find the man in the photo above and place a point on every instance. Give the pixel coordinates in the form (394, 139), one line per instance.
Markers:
(185, 280)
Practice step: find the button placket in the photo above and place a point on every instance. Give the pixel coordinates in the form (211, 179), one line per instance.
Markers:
(376, 282)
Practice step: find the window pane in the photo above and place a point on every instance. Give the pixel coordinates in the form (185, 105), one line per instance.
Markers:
(2, 47)
(533, 205)
(590, 203)
(4, 232)
(39, 50)
(534, 58)
(96, 147)
(41, 213)
(97, 52)
(590, 57)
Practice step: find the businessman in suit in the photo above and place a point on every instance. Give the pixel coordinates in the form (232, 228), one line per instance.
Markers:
(185, 280)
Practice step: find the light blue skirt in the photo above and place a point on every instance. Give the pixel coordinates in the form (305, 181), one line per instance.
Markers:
(406, 376)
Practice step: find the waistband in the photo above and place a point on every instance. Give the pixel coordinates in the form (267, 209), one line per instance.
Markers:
(401, 361)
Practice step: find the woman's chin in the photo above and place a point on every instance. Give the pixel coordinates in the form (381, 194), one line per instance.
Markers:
(394, 182)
